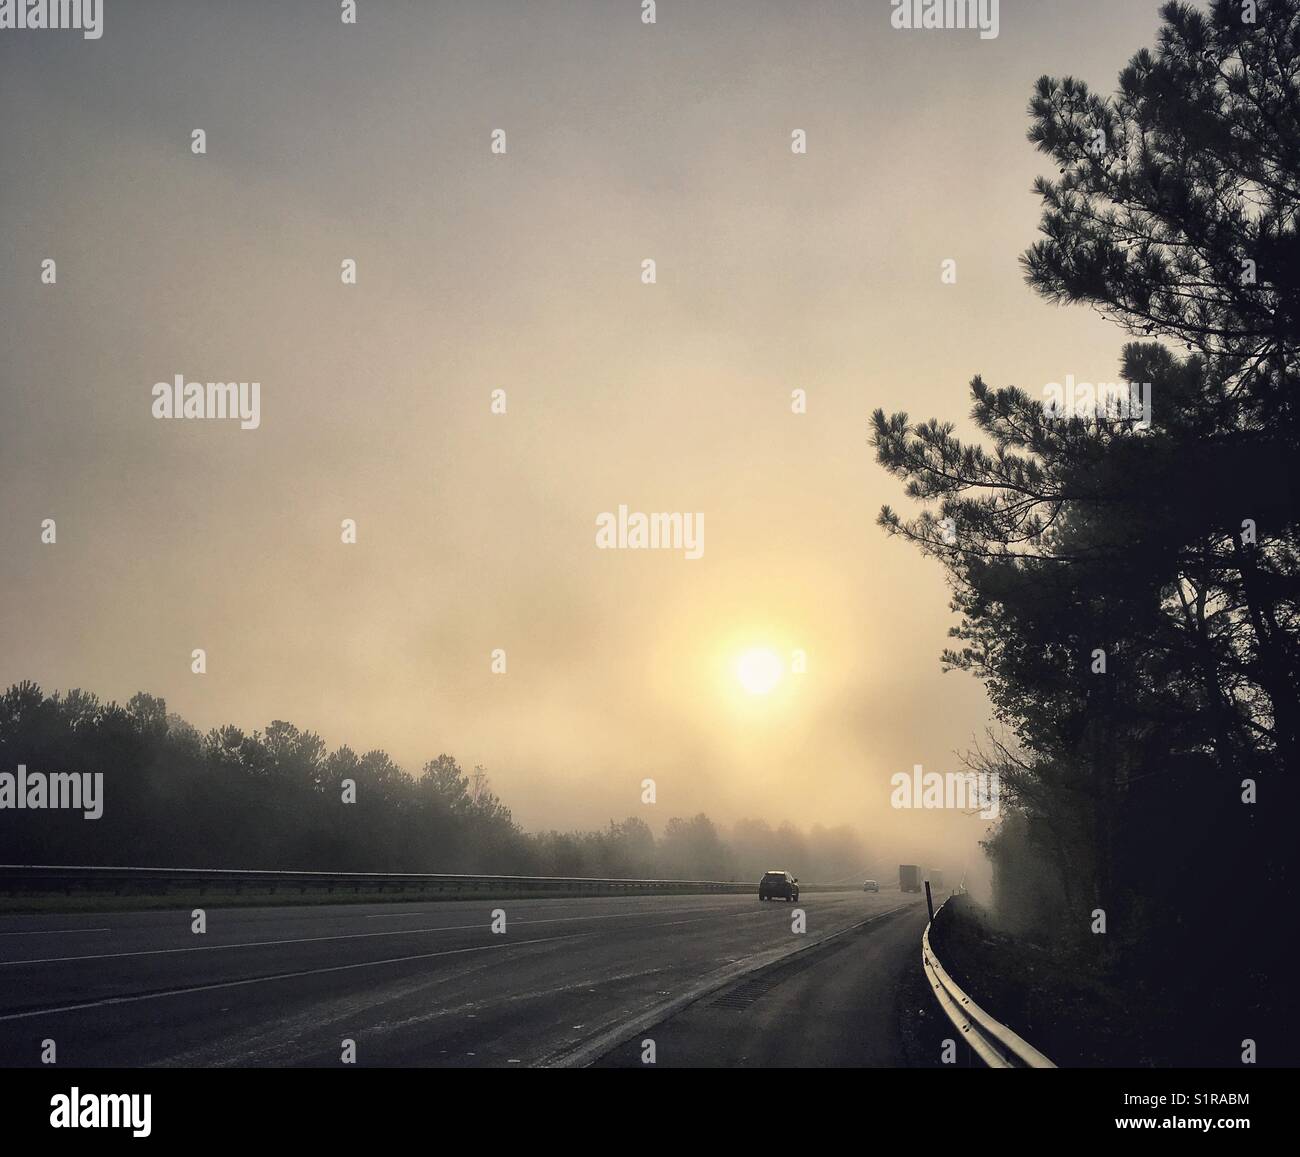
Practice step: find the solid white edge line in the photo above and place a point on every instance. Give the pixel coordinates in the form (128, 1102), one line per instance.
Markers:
(593, 1048)
(110, 1000)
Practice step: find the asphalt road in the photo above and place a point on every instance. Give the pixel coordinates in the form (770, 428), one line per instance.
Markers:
(429, 984)
(846, 1003)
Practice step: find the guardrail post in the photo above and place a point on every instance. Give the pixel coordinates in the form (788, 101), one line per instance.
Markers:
(929, 903)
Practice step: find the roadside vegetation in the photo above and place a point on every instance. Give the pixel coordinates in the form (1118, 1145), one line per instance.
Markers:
(1128, 584)
(275, 799)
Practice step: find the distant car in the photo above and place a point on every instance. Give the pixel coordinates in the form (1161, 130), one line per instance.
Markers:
(871, 886)
(777, 883)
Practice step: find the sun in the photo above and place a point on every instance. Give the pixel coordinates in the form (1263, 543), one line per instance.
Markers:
(759, 670)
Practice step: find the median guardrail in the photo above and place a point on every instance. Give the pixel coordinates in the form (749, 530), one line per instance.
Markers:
(26, 879)
(995, 1044)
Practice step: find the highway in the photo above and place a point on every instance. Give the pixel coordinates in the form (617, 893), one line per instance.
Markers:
(720, 980)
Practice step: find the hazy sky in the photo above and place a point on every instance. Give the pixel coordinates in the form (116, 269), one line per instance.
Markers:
(521, 272)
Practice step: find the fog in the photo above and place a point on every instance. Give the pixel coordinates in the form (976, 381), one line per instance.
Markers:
(523, 272)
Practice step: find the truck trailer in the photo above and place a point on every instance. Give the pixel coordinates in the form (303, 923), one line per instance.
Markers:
(909, 878)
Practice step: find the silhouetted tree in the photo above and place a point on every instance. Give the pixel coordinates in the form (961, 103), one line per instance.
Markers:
(275, 800)
(1170, 554)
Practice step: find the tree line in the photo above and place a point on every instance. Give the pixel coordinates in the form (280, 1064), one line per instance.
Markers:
(278, 799)
(1129, 594)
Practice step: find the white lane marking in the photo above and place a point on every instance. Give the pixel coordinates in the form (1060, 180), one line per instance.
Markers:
(228, 947)
(279, 976)
(340, 936)
(561, 919)
(613, 915)
(583, 1053)
(56, 932)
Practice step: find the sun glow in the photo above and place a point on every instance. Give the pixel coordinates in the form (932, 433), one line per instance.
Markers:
(759, 670)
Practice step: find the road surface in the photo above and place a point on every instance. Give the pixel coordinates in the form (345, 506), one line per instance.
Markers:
(569, 982)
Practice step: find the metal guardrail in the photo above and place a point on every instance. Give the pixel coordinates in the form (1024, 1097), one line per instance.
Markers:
(995, 1044)
(36, 878)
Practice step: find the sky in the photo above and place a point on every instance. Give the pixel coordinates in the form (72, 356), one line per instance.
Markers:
(480, 271)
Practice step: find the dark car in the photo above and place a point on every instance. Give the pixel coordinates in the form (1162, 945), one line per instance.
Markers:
(777, 884)
(871, 886)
